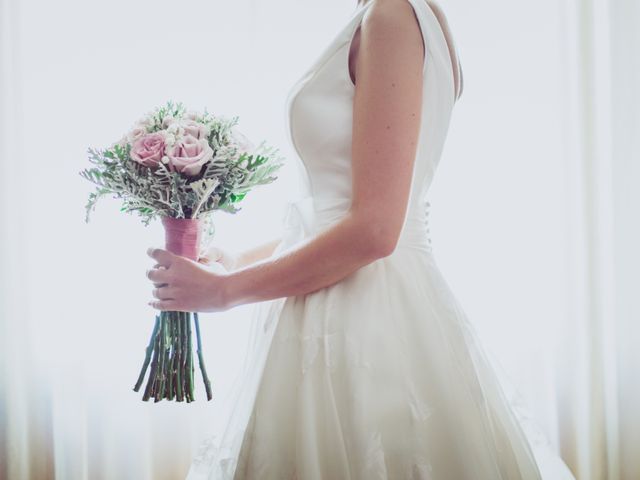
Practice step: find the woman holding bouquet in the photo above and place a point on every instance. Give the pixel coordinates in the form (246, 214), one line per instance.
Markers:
(365, 366)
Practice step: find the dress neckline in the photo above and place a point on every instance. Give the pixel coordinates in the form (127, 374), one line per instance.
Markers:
(339, 38)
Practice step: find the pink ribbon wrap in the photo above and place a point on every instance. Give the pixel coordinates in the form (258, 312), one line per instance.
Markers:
(182, 236)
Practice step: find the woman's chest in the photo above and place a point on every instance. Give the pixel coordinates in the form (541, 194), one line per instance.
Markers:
(320, 111)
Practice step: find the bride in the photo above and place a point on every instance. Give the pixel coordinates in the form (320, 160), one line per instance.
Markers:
(363, 365)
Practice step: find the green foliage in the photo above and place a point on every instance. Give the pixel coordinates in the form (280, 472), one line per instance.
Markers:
(158, 191)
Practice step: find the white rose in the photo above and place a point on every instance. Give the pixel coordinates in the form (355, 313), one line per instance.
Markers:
(136, 132)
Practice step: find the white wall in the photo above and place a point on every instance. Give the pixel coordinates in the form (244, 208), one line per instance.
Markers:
(499, 206)
(626, 200)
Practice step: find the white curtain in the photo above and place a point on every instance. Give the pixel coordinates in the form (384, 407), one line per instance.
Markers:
(534, 215)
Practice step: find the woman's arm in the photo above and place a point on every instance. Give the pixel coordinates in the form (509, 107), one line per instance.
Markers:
(234, 260)
(387, 107)
(386, 120)
(255, 254)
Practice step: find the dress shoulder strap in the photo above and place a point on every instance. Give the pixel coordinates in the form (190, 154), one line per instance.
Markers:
(436, 35)
(456, 66)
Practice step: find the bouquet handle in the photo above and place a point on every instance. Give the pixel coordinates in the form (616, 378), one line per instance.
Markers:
(170, 351)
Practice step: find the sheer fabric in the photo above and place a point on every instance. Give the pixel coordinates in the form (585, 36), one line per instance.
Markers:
(381, 375)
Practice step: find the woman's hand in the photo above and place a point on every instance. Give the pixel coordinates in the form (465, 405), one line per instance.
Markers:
(229, 260)
(187, 286)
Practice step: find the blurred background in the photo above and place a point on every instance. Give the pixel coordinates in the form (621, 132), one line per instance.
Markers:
(534, 215)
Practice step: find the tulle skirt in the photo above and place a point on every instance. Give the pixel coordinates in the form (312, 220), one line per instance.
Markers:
(379, 376)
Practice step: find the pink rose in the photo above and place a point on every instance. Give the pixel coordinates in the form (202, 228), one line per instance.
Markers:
(148, 149)
(195, 129)
(189, 154)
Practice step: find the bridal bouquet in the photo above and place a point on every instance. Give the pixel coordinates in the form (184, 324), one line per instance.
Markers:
(180, 166)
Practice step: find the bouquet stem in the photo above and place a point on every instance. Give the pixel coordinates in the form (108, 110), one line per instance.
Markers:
(205, 378)
(147, 358)
(169, 352)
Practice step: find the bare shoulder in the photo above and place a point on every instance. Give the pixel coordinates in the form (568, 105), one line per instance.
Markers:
(389, 15)
(392, 22)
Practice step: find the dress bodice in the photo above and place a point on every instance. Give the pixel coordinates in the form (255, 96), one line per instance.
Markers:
(379, 375)
(319, 116)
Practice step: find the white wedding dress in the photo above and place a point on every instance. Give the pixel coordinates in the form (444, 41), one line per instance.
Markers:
(379, 376)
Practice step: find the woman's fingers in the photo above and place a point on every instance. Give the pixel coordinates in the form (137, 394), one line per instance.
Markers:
(163, 257)
(158, 275)
(163, 293)
(163, 304)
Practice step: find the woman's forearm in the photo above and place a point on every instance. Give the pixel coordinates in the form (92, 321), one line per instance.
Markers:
(309, 266)
(256, 254)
